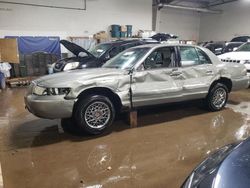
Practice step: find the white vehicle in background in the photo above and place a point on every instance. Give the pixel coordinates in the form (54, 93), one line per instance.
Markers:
(240, 55)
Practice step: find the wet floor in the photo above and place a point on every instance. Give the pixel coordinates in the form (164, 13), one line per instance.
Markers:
(169, 142)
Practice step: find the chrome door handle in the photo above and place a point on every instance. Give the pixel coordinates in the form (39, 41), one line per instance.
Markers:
(175, 73)
(209, 72)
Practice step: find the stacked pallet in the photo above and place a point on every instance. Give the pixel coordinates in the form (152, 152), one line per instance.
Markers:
(20, 82)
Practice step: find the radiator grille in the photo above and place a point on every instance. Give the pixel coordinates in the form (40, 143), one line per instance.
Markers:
(230, 60)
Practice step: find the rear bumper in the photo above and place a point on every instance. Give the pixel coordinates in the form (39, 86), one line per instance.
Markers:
(241, 83)
(49, 107)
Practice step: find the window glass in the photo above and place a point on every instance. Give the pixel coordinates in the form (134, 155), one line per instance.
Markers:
(114, 52)
(162, 57)
(189, 56)
(244, 48)
(127, 59)
(99, 49)
(204, 59)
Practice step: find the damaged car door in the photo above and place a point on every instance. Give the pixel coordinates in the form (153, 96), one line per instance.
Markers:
(158, 80)
(198, 72)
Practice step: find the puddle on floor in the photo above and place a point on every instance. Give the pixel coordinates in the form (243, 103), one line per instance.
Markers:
(161, 152)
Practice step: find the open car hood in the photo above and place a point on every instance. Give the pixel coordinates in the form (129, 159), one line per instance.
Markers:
(74, 48)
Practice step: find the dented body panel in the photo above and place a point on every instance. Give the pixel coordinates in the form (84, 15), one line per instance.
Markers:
(149, 87)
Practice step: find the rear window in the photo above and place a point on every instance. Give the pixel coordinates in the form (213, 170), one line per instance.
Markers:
(244, 48)
(241, 39)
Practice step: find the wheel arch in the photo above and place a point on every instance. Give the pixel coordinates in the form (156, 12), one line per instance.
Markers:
(223, 80)
(104, 91)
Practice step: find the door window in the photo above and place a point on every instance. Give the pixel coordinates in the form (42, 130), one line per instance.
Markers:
(203, 57)
(189, 56)
(160, 58)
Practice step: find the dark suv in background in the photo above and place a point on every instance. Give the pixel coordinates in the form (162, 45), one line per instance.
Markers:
(95, 57)
(215, 47)
(241, 39)
(231, 46)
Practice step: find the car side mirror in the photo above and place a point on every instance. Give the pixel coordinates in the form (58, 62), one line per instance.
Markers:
(235, 49)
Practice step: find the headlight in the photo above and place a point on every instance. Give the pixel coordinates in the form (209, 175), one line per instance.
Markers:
(37, 90)
(207, 167)
(84, 66)
(70, 66)
(246, 62)
(41, 91)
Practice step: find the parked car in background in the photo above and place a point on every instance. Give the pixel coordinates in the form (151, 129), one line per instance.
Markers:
(241, 39)
(231, 46)
(140, 76)
(96, 56)
(215, 47)
(163, 37)
(229, 167)
(240, 56)
(202, 44)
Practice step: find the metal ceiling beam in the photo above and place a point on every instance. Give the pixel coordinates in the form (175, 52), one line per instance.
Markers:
(220, 3)
(44, 6)
(205, 10)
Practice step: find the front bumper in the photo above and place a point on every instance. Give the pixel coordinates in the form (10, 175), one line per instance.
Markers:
(241, 83)
(49, 107)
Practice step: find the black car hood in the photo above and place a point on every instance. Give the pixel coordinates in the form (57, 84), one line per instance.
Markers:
(235, 169)
(74, 48)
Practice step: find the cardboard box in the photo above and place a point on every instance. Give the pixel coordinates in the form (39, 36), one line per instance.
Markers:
(101, 35)
(9, 51)
(123, 28)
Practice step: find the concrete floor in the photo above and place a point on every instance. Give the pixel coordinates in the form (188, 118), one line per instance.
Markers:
(169, 143)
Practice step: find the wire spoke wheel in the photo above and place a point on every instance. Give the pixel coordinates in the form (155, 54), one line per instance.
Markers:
(97, 115)
(219, 97)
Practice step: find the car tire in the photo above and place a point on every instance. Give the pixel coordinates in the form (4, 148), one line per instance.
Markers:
(94, 114)
(217, 97)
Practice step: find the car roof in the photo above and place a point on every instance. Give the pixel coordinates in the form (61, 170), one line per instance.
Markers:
(232, 43)
(121, 42)
(215, 43)
(235, 42)
(162, 45)
(241, 39)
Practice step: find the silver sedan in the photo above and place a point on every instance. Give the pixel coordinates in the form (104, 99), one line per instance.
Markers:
(138, 77)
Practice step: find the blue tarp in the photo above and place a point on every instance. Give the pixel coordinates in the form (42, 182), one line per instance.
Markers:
(28, 45)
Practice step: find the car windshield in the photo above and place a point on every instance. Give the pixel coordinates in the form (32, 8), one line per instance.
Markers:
(244, 48)
(230, 47)
(126, 59)
(99, 49)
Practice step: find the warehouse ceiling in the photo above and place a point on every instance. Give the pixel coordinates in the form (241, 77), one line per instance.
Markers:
(193, 3)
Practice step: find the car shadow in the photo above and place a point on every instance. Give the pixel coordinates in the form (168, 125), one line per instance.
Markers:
(50, 133)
